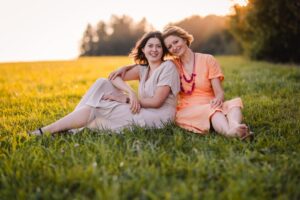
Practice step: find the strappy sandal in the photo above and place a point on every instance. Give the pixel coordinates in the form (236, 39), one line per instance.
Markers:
(39, 133)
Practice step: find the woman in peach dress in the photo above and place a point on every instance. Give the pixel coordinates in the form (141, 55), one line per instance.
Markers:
(201, 99)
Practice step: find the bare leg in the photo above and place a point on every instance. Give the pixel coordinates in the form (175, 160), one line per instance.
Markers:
(75, 119)
(235, 118)
(80, 117)
(232, 128)
(220, 123)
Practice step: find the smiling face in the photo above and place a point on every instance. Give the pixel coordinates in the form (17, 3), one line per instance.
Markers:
(176, 45)
(153, 50)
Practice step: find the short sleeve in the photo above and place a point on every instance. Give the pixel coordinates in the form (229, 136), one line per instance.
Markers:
(214, 69)
(169, 76)
(142, 71)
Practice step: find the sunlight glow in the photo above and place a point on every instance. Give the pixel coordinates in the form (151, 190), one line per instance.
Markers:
(240, 2)
(52, 29)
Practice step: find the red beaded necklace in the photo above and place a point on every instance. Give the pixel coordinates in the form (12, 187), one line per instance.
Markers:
(191, 80)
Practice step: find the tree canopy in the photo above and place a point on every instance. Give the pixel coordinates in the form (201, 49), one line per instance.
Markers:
(211, 34)
(114, 38)
(118, 36)
(269, 30)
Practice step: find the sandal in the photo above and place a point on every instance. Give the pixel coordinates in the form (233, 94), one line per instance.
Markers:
(37, 132)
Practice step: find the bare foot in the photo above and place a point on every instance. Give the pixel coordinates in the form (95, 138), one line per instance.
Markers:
(248, 135)
(239, 130)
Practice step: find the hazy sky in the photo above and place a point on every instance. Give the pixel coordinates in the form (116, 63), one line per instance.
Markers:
(52, 29)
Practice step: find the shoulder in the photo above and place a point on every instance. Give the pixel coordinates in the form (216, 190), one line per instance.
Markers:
(169, 65)
(207, 59)
(204, 56)
(142, 68)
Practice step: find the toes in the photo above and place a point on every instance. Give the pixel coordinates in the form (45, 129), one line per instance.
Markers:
(244, 126)
(249, 135)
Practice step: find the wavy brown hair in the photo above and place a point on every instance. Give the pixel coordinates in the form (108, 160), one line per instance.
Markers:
(137, 53)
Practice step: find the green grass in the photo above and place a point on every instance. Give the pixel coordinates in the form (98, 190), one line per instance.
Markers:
(146, 163)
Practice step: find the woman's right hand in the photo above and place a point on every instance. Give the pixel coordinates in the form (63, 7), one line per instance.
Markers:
(119, 97)
(135, 105)
(119, 72)
(216, 103)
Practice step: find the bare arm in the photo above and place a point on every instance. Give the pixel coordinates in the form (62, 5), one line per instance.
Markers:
(156, 101)
(161, 94)
(121, 71)
(122, 85)
(132, 74)
(219, 93)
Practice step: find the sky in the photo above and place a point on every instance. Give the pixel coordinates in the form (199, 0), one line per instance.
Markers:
(35, 30)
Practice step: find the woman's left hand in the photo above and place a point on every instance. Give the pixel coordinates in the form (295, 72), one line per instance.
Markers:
(216, 103)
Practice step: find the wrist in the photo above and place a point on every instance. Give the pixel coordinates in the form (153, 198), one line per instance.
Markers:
(220, 97)
(131, 92)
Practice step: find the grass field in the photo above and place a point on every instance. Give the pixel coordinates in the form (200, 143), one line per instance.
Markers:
(147, 163)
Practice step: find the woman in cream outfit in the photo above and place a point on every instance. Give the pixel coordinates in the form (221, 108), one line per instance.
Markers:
(114, 105)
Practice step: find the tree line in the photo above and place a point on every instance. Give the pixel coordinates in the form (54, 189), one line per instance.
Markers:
(262, 30)
(118, 36)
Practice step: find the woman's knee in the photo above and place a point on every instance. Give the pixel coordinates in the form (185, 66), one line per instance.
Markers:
(217, 115)
(102, 80)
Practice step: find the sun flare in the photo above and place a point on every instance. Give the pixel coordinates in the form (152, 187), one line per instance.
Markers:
(240, 2)
(59, 34)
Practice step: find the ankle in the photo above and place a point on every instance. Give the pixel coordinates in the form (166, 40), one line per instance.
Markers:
(233, 124)
(226, 132)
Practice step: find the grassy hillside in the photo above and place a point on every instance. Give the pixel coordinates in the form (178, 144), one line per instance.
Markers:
(146, 163)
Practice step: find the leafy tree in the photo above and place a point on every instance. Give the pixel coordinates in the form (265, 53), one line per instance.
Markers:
(269, 30)
(211, 34)
(87, 47)
(101, 42)
(114, 38)
(119, 35)
(222, 43)
(120, 39)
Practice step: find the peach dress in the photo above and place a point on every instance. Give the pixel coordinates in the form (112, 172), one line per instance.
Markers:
(194, 110)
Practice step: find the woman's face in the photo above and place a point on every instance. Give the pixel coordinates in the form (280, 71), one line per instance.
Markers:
(153, 50)
(176, 45)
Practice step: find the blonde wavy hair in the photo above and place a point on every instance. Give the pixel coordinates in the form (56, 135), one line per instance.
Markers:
(179, 32)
